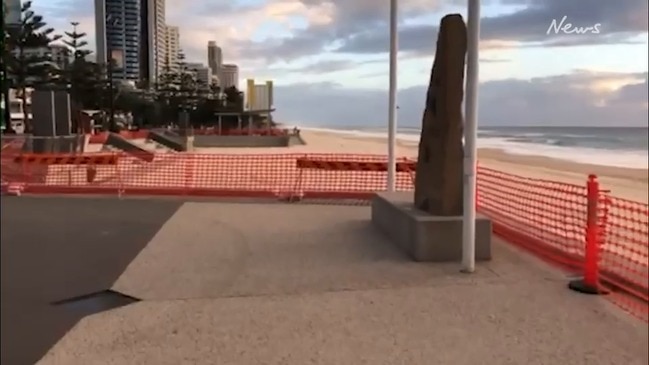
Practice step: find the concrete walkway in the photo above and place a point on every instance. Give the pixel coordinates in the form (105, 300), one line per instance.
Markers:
(298, 284)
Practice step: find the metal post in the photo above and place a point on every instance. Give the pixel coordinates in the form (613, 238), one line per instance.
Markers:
(392, 102)
(470, 137)
(111, 102)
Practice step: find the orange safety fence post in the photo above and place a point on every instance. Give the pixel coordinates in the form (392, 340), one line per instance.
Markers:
(590, 283)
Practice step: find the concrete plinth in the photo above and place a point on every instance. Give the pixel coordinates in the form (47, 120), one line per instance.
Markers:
(425, 237)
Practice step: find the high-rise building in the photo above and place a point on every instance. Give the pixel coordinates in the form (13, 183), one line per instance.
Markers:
(214, 57)
(118, 29)
(132, 32)
(160, 35)
(172, 45)
(259, 96)
(229, 76)
(153, 50)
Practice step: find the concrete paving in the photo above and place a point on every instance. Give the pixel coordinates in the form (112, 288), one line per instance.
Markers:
(220, 250)
(297, 284)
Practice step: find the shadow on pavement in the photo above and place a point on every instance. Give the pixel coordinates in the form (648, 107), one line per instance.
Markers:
(53, 249)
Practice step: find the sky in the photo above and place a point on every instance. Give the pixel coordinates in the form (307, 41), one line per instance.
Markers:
(329, 58)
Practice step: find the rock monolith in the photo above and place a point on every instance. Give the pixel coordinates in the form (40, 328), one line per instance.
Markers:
(439, 177)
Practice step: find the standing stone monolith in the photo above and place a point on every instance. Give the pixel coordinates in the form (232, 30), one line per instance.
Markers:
(439, 177)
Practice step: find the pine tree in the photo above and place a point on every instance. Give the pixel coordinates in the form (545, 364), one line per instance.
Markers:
(28, 60)
(186, 78)
(177, 86)
(167, 82)
(76, 43)
(84, 79)
(233, 98)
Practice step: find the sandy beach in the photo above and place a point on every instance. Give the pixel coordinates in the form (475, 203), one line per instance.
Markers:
(623, 182)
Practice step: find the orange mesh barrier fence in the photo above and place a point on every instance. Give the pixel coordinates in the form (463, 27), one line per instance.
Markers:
(309, 163)
(11, 171)
(546, 217)
(11, 144)
(336, 176)
(86, 159)
(580, 227)
(623, 261)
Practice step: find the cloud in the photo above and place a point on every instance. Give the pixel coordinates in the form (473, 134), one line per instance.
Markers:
(333, 66)
(292, 29)
(634, 93)
(573, 99)
(618, 21)
(258, 34)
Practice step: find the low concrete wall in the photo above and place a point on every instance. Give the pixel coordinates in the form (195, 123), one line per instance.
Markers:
(241, 141)
(295, 140)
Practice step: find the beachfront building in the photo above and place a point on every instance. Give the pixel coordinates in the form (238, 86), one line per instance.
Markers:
(54, 56)
(132, 34)
(118, 27)
(172, 45)
(214, 57)
(153, 47)
(229, 76)
(259, 96)
(60, 55)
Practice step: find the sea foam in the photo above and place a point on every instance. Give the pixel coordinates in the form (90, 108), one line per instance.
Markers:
(635, 159)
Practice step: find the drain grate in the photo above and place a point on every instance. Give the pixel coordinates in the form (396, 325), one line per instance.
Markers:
(95, 302)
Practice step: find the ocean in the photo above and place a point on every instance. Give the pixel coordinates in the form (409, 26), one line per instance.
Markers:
(621, 147)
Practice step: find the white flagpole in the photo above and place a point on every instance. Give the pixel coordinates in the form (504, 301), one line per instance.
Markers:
(470, 136)
(392, 112)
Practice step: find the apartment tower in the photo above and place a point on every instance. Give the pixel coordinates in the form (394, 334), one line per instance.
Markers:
(118, 29)
(229, 76)
(172, 45)
(214, 57)
(153, 46)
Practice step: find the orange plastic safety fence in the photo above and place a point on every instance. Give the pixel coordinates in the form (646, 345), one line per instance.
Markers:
(72, 159)
(548, 218)
(624, 257)
(12, 144)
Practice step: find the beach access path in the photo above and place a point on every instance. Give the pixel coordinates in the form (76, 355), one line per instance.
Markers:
(270, 283)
